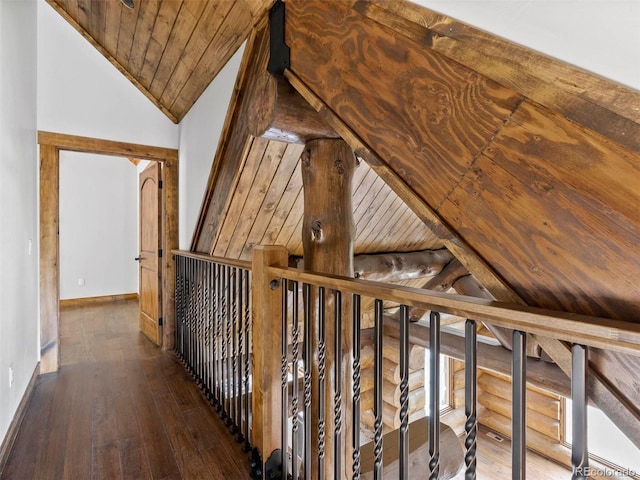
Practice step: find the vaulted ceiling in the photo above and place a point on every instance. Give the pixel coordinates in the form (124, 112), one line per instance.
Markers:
(170, 50)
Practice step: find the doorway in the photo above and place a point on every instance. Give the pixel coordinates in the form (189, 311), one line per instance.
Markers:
(50, 146)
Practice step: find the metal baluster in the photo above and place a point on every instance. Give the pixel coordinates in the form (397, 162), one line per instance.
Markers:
(227, 342)
(307, 358)
(233, 418)
(470, 398)
(295, 364)
(337, 398)
(178, 261)
(519, 396)
(355, 419)
(210, 326)
(579, 446)
(434, 396)
(190, 317)
(221, 344)
(285, 378)
(377, 390)
(247, 362)
(322, 365)
(404, 394)
(199, 322)
(241, 353)
(216, 336)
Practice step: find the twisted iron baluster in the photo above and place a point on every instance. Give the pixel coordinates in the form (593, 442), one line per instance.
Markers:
(178, 260)
(470, 400)
(322, 360)
(233, 418)
(434, 400)
(247, 362)
(295, 339)
(307, 352)
(216, 335)
(239, 326)
(220, 340)
(404, 393)
(356, 388)
(337, 398)
(377, 391)
(199, 322)
(227, 347)
(284, 370)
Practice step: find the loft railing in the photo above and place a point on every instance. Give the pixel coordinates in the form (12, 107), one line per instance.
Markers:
(300, 418)
(303, 311)
(213, 339)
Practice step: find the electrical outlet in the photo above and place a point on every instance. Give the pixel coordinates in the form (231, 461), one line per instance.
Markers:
(11, 375)
(81, 282)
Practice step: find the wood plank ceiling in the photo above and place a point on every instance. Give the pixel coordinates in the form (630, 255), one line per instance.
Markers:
(266, 208)
(170, 50)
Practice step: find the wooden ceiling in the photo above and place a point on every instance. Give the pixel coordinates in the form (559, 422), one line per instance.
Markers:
(266, 206)
(170, 50)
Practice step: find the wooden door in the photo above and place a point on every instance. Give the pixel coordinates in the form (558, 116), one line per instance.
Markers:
(150, 258)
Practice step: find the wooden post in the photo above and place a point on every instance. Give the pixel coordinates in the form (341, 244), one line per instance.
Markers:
(266, 324)
(328, 232)
(49, 276)
(170, 242)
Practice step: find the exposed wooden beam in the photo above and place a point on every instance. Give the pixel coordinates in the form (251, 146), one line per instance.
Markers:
(279, 113)
(385, 267)
(391, 267)
(328, 232)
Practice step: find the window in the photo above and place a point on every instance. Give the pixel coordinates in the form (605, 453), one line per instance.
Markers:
(445, 394)
(607, 444)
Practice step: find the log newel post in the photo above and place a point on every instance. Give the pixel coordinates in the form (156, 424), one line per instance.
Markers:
(328, 231)
(266, 323)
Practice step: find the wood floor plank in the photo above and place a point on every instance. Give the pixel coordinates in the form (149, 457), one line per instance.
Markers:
(121, 410)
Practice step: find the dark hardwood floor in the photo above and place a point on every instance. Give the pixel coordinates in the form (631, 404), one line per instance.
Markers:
(119, 408)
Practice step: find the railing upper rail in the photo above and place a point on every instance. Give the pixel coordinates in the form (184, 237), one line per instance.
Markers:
(605, 333)
(209, 258)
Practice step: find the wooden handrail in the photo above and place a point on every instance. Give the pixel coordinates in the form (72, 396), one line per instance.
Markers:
(209, 258)
(605, 333)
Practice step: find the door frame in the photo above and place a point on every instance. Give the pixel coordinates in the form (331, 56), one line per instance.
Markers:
(50, 146)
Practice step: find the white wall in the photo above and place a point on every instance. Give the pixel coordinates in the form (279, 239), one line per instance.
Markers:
(199, 135)
(98, 225)
(81, 93)
(602, 36)
(19, 341)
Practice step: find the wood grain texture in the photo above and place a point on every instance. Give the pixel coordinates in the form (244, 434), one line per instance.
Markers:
(49, 251)
(266, 323)
(573, 260)
(595, 102)
(235, 143)
(171, 50)
(398, 89)
(107, 147)
(120, 408)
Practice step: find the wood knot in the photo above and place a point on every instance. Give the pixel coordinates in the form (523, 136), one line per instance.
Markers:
(316, 231)
(339, 166)
(306, 157)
